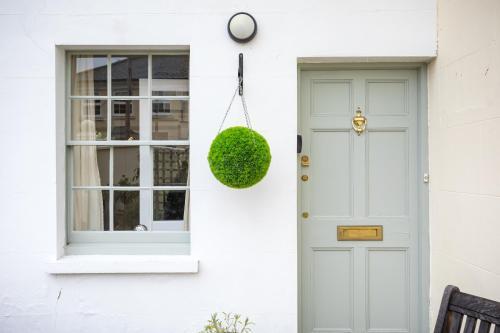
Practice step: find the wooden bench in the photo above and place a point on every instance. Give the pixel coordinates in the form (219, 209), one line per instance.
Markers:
(457, 305)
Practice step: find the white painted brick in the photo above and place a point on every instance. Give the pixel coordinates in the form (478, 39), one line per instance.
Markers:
(464, 147)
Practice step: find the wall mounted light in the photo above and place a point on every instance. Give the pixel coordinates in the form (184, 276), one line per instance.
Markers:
(242, 27)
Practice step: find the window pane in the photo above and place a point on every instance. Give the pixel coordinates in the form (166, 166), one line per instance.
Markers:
(170, 120)
(125, 119)
(90, 166)
(129, 75)
(126, 166)
(125, 210)
(103, 162)
(88, 75)
(168, 205)
(90, 210)
(170, 75)
(88, 120)
(171, 165)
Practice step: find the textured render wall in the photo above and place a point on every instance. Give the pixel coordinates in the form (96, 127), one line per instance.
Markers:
(464, 123)
(246, 240)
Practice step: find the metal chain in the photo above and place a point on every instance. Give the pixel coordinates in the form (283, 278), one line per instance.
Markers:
(247, 115)
(245, 111)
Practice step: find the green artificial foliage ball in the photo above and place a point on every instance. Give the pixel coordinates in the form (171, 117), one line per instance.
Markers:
(239, 157)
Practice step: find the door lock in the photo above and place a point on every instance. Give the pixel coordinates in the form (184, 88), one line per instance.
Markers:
(304, 161)
(305, 215)
(304, 178)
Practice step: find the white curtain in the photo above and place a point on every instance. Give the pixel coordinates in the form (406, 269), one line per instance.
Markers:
(88, 204)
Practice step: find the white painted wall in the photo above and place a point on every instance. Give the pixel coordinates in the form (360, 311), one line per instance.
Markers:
(246, 240)
(464, 123)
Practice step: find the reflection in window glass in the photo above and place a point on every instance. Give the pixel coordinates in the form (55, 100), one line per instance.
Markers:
(171, 120)
(129, 75)
(171, 165)
(90, 210)
(88, 75)
(161, 108)
(103, 164)
(125, 119)
(125, 210)
(106, 189)
(169, 205)
(170, 75)
(88, 120)
(90, 166)
(126, 166)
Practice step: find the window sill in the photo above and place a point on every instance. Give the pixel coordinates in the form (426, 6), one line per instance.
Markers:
(123, 264)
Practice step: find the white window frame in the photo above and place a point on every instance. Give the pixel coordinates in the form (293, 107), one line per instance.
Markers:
(161, 240)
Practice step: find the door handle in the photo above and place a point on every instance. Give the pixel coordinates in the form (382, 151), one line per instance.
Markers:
(299, 143)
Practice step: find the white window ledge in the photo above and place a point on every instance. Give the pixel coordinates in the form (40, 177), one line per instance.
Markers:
(123, 264)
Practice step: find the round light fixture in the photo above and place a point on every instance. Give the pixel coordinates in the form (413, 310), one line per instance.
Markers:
(242, 27)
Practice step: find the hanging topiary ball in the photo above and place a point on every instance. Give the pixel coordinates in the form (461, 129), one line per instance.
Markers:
(239, 157)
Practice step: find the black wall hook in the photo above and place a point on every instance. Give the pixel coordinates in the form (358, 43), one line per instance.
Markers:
(240, 74)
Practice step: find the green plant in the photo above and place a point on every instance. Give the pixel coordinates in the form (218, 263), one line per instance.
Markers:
(239, 157)
(228, 323)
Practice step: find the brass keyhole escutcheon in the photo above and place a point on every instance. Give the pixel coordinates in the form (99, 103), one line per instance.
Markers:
(304, 161)
(304, 178)
(305, 215)
(359, 122)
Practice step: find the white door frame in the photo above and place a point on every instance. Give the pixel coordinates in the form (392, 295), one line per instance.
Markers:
(423, 188)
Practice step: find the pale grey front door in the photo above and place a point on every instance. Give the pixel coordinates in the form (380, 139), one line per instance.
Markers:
(365, 180)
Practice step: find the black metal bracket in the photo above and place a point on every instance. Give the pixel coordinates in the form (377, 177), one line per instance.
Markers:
(240, 74)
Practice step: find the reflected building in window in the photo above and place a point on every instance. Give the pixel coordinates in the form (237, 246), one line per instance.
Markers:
(130, 98)
(129, 78)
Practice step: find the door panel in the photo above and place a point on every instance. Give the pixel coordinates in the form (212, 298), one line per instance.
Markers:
(332, 302)
(330, 176)
(370, 179)
(387, 173)
(387, 292)
(387, 97)
(331, 97)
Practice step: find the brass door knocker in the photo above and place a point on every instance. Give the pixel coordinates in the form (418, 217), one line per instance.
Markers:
(359, 122)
